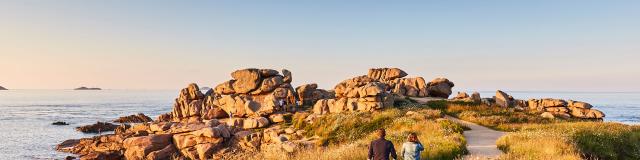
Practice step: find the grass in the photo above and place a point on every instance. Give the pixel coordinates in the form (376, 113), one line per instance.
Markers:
(347, 135)
(503, 119)
(568, 141)
(535, 137)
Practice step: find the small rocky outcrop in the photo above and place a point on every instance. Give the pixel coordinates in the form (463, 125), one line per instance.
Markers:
(309, 94)
(461, 96)
(504, 100)
(2, 88)
(86, 88)
(475, 97)
(98, 127)
(562, 108)
(439, 87)
(136, 118)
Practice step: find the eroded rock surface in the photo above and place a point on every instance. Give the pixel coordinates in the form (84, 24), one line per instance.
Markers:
(137, 118)
(98, 127)
(439, 87)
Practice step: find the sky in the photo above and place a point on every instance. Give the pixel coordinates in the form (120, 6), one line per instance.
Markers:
(542, 45)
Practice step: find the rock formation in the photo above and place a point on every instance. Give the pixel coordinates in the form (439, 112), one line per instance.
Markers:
(376, 89)
(439, 87)
(251, 94)
(137, 118)
(361, 93)
(191, 139)
(461, 96)
(504, 100)
(97, 127)
(158, 140)
(562, 108)
(309, 94)
(395, 83)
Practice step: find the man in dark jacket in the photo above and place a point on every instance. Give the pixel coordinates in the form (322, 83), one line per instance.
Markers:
(381, 149)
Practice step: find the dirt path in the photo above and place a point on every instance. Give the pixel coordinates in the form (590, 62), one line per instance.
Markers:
(481, 141)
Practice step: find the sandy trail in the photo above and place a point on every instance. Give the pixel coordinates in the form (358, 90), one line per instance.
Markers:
(481, 141)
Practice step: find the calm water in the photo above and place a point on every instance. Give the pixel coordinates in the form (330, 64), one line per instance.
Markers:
(26, 115)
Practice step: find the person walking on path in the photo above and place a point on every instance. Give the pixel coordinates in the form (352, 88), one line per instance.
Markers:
(411, 149)
(381, 149)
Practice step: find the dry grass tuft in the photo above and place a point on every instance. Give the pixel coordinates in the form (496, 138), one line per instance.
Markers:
(581, 140)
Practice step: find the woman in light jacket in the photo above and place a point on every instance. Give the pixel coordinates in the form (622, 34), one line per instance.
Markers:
(411, 149)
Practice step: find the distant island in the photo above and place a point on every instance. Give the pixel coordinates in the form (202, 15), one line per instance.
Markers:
(2, 88)
(85, 88)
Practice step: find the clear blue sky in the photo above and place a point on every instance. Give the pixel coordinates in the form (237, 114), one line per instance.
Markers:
(566, 45)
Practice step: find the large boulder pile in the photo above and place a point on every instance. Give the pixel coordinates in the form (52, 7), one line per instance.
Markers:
(252, 93)
(309, 94)
(562, 108)
(393, 78)
(375, 91)
(256, 92)
(361, 93)
(157, 140)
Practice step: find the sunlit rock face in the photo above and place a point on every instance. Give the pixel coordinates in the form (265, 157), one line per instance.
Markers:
(250, 93)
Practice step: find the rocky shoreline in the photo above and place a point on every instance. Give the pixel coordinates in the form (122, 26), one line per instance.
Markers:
(247, 113)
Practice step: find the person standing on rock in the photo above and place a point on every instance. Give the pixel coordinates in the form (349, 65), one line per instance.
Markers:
(381, 149)
(411, 149)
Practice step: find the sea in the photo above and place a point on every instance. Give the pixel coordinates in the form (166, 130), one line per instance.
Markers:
(26, 115)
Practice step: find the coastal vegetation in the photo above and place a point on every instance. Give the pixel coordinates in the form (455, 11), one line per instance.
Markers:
(532, 136)
(347, 135)
(498, 118)
(568, 141)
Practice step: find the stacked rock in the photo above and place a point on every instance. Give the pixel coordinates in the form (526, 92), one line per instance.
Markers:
(562, 108)
(252, 94)
(156, 140)
(549, 107)
(393, 78)
(463, 96)
(361, 93)
(309, 94)
(256, 93)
